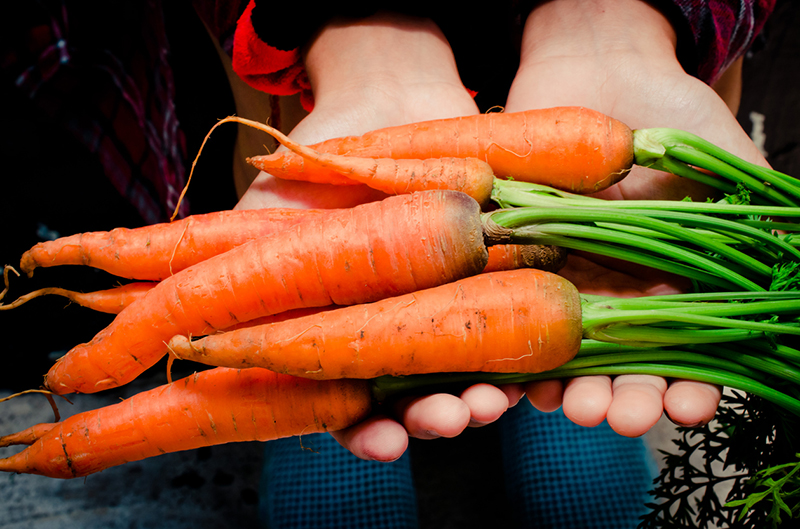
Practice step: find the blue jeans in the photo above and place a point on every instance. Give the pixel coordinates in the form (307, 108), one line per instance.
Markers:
(557, 475)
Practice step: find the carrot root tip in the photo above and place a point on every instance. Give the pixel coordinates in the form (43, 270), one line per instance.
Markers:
(6, 270)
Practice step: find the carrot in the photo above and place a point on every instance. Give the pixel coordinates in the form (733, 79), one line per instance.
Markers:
(512, 256)
(357, 255)
(209, 408)
(515, 321)
(393, 176)
(469, 175)
(111, 300)
(158, 251)
(571, 148)
(27, 436)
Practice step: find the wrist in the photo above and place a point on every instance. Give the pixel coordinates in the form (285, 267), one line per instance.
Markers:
(592, 52)
(597, 28)
(388, 69)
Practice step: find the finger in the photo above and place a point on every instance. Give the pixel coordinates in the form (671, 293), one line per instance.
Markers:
(486, 403)
(586, 400)
(514, 393)
(638, 403)
(689, 403)
(433, 416)
(546, 395)
(378, 438)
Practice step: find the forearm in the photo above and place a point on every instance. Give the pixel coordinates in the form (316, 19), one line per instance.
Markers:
(398, 68)
(372, 73)
(597, 45)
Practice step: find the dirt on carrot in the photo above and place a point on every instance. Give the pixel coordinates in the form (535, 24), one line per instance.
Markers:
(156, 252)
(570, 148)
(213, 407)
(376, 250)
(111, 300)
(513, 256)
(390, 175)
(524, 321)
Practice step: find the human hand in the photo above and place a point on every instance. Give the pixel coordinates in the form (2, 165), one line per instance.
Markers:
(379, 72)
(618, 57)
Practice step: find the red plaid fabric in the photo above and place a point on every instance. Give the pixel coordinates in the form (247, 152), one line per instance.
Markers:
(110, 86)
(715, 33)
(721, 32)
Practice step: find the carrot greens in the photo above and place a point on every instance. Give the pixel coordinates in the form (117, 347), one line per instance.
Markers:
(681, 153)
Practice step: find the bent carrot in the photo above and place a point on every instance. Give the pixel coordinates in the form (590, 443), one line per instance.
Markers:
(570, 148)
(469, 175)
(393, 176)
(158, 251)
(27, 436)
(209, 408)
(111, 300)
(513, 256)
(357, 255)
(524, 321)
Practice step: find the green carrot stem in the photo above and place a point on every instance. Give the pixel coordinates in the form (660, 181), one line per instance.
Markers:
(782, 351)
(659, 146)
(526, 194)
(644, 232)
(770, 225)
(764, 363)
(594, 321)
(386, 387)
(787, 303)
(731, 228)
(696, 215)
(771, 176)
(690, 297)
(625, 254)
(650, 336)
(697, 158)
(671, 165)
(543, 217)
(594, 233)
(593, 347)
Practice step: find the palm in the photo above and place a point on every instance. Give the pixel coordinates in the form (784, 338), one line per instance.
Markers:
(640, 96)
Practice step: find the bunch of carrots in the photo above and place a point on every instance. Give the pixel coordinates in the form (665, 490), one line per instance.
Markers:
(310, 317)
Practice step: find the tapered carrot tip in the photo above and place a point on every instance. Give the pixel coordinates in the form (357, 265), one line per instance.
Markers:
(27, 436)
(6, 270)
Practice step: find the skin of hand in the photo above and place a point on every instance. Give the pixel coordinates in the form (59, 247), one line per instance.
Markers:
(388, 70)
(382, 71)
(618, 57)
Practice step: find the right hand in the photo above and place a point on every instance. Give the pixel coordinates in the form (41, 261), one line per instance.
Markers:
(374, 73)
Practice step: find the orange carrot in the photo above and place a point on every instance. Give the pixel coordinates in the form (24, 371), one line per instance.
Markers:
(111, 300)
(27, 436)
(469, 175)
(518, 321)
(512, 256)
(356, 255)
(393, 176)
(209, 408)
(158, 251)
(570, 148)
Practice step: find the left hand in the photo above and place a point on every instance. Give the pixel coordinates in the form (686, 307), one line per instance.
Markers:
(618, 57)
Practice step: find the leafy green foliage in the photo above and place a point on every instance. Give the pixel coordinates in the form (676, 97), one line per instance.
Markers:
(732, 473)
